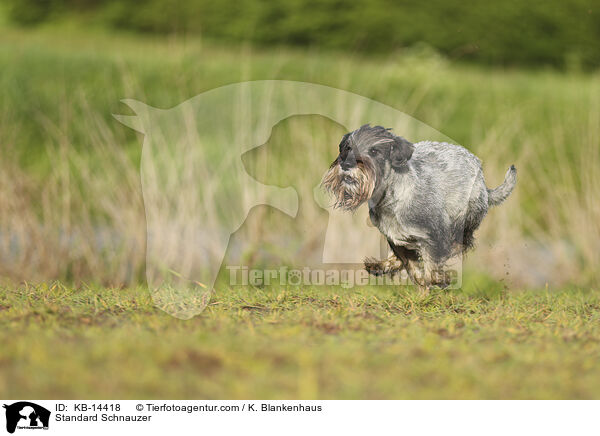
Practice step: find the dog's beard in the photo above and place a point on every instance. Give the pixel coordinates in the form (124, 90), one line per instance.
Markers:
(350, 188)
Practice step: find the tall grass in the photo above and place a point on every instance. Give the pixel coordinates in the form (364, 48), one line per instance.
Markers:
(83, 219)
(71, 204)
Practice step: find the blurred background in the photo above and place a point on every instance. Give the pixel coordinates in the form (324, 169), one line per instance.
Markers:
(515, 82)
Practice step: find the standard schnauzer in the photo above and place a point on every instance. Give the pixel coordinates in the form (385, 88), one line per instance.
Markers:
(426, 198)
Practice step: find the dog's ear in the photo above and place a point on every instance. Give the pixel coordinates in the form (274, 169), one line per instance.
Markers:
(400, 153)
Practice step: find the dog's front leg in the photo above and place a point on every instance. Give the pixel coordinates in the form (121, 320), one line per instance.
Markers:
(392, 265)
(409, 259)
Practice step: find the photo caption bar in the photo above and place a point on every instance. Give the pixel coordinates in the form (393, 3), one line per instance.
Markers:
(297, 417)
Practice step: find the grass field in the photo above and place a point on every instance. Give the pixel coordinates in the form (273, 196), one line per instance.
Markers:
(524, 325)
(60, 342)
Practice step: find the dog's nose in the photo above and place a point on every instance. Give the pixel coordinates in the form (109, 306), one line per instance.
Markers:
(348, 163)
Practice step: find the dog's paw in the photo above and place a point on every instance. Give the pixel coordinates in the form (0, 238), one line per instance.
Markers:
(374, 267)
(391, 266)
(440, 279)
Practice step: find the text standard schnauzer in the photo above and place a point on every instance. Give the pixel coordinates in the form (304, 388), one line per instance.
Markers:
(426, 198)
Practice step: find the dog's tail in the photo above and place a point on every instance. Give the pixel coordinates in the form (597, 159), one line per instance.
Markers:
(501, 193)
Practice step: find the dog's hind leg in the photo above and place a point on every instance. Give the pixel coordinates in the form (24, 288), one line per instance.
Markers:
(434, 260)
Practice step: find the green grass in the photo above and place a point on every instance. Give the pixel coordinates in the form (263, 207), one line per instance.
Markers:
(301, 343)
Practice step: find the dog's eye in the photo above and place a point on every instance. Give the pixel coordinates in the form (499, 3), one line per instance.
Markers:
(374, 152)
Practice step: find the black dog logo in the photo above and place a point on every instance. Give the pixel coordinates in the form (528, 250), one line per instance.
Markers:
(26, 415)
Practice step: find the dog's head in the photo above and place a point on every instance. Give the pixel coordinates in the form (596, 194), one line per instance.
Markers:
(366, 159)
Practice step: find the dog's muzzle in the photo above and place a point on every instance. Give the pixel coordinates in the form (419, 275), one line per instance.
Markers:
(350, 185)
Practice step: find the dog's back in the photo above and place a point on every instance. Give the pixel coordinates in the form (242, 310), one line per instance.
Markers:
(448, 173)
(452, 178)
(451, 159)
